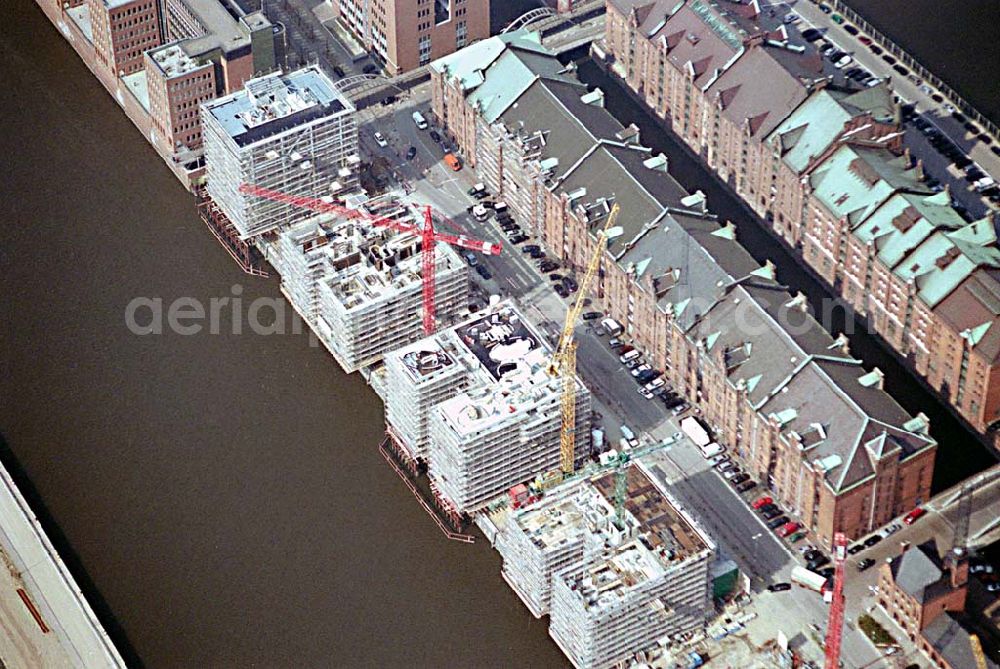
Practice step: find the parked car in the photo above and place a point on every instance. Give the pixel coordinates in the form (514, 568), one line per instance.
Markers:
(480, 213)
(530, 247)
(872, 540)
(912, 516)
(547, 267)
(738, 480)
(639, 369)
(762, 501)
(812, 553)
(411, 153)
(811, 35)
(681, 408)
(615, 343)
(855, 549)
(779, 587)
(478, 190)
(483, 272)
(339, 71)
(817, 562)
(571, 284)
(646, 376)
(560, 291)
(369, 69)
(654, 384)
(787, 529)
(826, 572)
(592, 315)
(746, 486)
(518, 239)
(770, 515)
(380, 139)
(892, 529)
(435, 136)
(723, 465)
(776, 522)
(865, 564)
(796, 537)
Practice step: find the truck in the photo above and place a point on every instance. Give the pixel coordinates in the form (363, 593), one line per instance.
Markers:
(419, 120)
(808, 579)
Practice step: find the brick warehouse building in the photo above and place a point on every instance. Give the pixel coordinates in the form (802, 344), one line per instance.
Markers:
(801, 413)
(822, 162)
(407, 34)
(160, 59)
(925, 593)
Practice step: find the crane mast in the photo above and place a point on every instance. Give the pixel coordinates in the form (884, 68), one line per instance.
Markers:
(429, 236)
(563, 362)
(835, 623)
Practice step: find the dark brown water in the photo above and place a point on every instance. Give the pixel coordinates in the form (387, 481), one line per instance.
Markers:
(222, 494)
(957, 41)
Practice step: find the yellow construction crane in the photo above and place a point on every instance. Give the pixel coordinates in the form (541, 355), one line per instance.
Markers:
(977, 651)
(563, 362)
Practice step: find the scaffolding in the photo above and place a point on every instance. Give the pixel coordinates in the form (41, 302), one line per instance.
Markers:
(241, 250)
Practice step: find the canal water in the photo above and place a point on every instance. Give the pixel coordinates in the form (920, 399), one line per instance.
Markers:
(960, 453)
(220, 497)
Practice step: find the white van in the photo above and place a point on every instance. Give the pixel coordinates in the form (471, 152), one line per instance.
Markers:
(708, 450)
(419, 119)
(631, 355)
(611, 326)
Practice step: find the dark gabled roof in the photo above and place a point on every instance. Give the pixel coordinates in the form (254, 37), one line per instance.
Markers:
(950, 639)
(917, 570)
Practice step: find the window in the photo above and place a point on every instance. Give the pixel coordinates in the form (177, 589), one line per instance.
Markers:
(425, 49)
(461, 34)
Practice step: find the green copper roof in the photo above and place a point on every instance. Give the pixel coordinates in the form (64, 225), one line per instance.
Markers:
(904, 221)
(976, 334)
(855, 180)
(945, 259)
(727, 33)
(469, 63)
(809, 130)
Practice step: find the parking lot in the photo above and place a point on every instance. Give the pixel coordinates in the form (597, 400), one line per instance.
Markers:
(955, 151)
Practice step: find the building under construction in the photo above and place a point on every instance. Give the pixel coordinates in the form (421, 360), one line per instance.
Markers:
(612, 585)
(358, 282)
(293, 133)
(478, 403)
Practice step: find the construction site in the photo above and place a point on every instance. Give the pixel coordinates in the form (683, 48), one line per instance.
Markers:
(487, 419)
(358, 281)
(617, 567)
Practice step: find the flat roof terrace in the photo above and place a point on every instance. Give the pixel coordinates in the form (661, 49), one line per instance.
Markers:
(500, 340)
(276, 103)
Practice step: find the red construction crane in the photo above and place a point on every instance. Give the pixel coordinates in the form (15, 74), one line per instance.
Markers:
(835, 624)
(428, 235)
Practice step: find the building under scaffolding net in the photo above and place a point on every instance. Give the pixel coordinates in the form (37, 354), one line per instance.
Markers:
(476, 402)
(610, 589)
(359, 285)
(292, 133)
